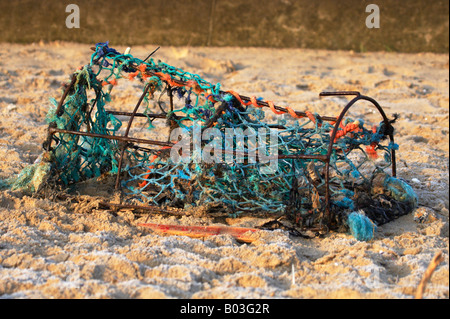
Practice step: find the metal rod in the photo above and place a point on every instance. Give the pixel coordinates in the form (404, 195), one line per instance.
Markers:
(338, 93)
(327, 192)
(151, 54)
(302, 156)
(169, 144)
(47, 143)
(245, 98)
(125, 145)
(139, 207)
(59, 109)
(282, 109)
(170, 94)
(88, 113)
(152, 115)
(111, 137)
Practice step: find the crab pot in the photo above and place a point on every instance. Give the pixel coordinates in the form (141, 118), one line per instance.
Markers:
(188, 143)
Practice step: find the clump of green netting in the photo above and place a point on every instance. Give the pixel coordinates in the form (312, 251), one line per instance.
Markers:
(77, 158)
(152, 176)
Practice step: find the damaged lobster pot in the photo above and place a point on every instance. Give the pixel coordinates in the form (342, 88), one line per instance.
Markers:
(198, 145)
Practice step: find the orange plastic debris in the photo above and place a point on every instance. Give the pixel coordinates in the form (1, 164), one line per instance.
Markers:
(242, 234)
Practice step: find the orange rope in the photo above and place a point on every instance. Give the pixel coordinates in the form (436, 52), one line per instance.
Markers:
(165, 77)
(238, 97)
(131, 76)
(194, 85)
(255, 103)
(292, 113)
(142, 67)
(112, 82)
(370, 150)
(272, 107)
(350, 127)
(311, 116)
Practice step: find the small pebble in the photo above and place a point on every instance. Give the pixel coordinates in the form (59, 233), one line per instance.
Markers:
(11, 107)
(424, 215)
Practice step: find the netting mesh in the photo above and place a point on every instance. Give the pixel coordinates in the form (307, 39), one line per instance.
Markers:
(222, 149)
(77, 158)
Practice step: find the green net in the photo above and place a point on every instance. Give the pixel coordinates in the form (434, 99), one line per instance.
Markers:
(77, 158)
(221, 149)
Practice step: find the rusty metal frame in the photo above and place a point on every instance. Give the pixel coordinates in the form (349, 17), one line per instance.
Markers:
(127, 141)
(358, 97)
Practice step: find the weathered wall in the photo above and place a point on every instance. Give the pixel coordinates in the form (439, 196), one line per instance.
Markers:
(405, 25)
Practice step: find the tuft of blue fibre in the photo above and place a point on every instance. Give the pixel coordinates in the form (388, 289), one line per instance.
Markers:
(361, 227)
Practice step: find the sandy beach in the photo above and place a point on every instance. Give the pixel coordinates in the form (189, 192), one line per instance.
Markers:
(57, 249)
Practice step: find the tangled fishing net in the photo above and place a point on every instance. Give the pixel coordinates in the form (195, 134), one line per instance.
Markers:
(221, 151)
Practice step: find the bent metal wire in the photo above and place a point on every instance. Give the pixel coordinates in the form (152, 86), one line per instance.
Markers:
(324, 163)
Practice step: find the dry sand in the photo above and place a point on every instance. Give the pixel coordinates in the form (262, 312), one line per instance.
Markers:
(57, 250)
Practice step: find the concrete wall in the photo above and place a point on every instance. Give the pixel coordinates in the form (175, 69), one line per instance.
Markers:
(405, 25)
